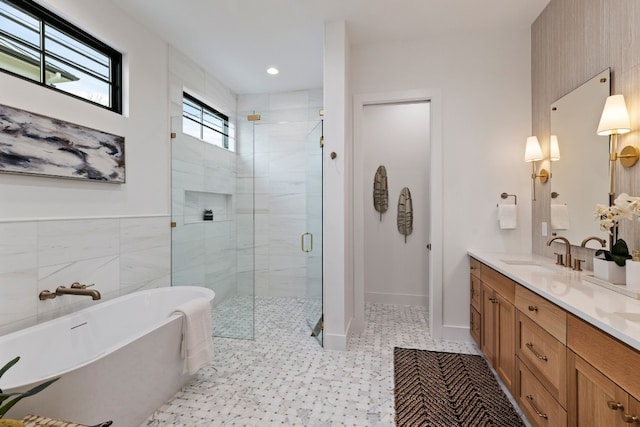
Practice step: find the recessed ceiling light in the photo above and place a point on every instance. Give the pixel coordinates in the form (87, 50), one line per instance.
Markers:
(273, 71)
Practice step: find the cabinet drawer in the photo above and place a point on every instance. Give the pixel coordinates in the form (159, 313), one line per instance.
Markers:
(476, 292)
(544, 355)
(476, 326)
(535, 401)
(499, 282)
(613, 358)
(475, 267)
(546, 314)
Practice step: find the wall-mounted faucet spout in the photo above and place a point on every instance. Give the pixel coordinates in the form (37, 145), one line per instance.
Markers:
(75, 289)
(78, 289)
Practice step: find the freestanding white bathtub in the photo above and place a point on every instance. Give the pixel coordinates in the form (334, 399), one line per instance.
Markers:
(118, 360)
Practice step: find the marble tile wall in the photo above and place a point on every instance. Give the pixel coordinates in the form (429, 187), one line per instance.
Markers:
(204, 252)
(276, 148)
(118, 255)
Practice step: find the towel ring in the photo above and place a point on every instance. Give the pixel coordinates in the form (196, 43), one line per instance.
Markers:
(505, 195)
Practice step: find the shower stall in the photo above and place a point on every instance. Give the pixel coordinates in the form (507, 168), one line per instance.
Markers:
(262, 238)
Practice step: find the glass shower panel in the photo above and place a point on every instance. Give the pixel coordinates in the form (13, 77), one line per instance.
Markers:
(312, 238)
(213, 227)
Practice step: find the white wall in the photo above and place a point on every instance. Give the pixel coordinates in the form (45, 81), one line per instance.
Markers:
(396, 135)
(56, 231)
(144, 126)
(485, 83)
(338, 193)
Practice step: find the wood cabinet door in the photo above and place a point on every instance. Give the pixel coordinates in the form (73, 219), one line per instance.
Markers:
(594, 400)
(475, 292)
(489, 331)
(475, 326)
(506, 341)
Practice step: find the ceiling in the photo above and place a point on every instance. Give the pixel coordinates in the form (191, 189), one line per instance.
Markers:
(237, 40)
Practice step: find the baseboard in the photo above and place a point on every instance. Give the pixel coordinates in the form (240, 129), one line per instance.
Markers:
(337, 341)
(456, 333)
(397, 299)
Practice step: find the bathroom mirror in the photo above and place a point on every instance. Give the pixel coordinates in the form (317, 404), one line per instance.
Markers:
(580, 179)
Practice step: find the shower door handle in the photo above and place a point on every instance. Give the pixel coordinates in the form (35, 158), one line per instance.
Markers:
(302, 239)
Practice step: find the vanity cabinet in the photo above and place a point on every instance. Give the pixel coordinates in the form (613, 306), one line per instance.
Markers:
(560, 369)
(603, 378)
(498, 323)
(541, 380)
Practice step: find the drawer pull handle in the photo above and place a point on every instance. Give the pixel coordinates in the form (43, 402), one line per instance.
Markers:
(535, 353)
(631, 419)
(616, 406)
(540, 414)
(533, 308)
(493, 300)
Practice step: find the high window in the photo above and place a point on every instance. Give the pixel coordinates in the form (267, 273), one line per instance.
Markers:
(203, 122)
(37, 45)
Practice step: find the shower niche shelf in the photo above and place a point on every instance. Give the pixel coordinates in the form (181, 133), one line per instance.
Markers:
(195, 203)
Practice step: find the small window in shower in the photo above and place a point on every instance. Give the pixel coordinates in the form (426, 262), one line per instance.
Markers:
(203, 122)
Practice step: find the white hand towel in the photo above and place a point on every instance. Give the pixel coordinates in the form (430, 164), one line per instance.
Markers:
(197, 343)
(508, 216)
(559, 217)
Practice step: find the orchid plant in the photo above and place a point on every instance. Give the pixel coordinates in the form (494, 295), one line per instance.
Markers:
(624, 207)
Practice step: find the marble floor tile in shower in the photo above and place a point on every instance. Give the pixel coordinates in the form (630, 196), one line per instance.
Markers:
(284, 378)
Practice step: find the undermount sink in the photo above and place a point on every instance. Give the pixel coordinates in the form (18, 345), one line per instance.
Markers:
(519, 262)
(528, 264)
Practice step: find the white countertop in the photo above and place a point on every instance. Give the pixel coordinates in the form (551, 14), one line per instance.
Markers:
(614, 313)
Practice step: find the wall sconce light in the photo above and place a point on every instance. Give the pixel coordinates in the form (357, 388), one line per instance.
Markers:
(615, 121)
(532, 154)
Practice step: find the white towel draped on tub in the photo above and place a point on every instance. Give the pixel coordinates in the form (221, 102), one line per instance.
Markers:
(508, 216)
(559, 217)
(197, 344)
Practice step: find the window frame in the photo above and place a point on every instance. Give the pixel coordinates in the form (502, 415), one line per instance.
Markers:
(47, 17)
(212, 111)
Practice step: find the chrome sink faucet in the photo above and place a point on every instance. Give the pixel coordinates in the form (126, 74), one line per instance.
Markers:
(567, 261)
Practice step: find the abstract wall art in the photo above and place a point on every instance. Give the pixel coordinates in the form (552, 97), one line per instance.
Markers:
(38, 145)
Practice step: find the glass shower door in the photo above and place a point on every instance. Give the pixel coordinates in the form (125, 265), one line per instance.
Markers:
(212, 214)
(311, 240)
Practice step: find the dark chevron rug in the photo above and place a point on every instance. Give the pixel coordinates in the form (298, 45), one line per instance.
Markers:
(448, 390)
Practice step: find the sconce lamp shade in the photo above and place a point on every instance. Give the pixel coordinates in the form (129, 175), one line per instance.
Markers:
(532, 151)
(554, 149)
(615, 118)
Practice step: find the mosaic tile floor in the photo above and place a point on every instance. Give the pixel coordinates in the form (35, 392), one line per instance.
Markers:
(284, 378)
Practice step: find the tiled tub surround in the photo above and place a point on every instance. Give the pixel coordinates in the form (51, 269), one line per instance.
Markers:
(284, 378)
(613, 313)
(120, 255)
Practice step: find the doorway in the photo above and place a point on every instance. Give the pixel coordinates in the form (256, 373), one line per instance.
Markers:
(395, 131)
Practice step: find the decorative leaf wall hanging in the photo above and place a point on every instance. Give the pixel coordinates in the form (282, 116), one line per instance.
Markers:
(380, 191)
(405, 213)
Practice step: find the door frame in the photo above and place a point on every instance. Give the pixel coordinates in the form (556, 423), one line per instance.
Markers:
(435, 162)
